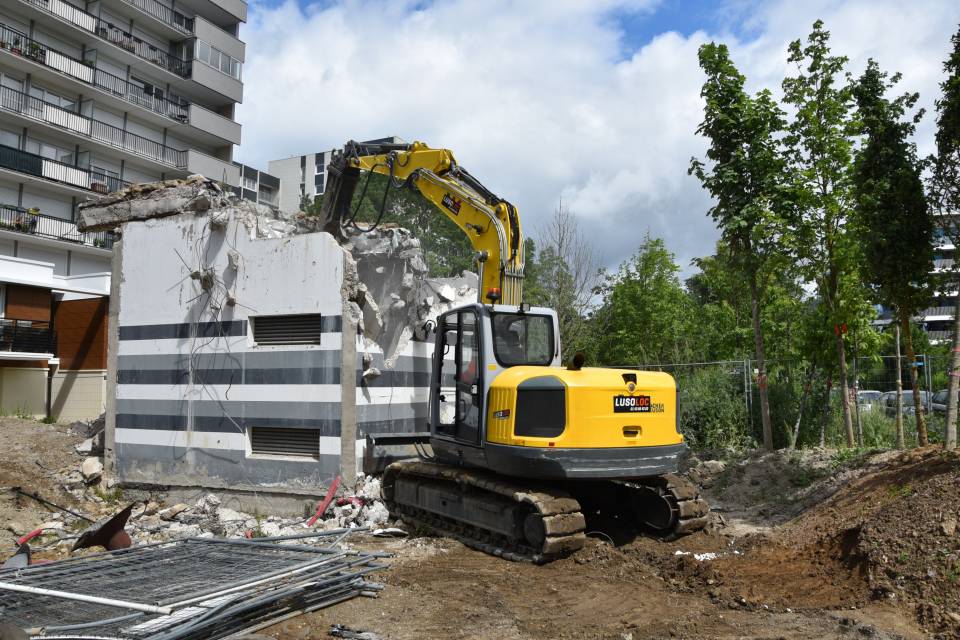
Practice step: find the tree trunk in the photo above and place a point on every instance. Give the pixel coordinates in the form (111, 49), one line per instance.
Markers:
(901, 440)
(803, 401)
(922, 439)
(826, 411)
(845, 390)
(761, 364)
(954, 384)
(856, 392)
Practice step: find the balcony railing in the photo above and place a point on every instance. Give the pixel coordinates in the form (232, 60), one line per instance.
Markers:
(17, 43)
(32, 222)
(54, 171)
(113, 34)
(165, 14)
(27, 336)
(48, 113)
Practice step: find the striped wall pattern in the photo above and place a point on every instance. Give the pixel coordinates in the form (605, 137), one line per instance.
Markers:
(184, 419)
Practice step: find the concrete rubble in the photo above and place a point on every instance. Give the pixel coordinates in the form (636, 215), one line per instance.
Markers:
(392, 297)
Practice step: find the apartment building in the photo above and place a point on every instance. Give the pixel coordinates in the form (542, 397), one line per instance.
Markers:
(304, 177)
(95, 95)
(258, 186)
(937, 318)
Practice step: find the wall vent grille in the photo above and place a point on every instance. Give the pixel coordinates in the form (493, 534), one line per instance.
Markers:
(287, 329)
(284, 441)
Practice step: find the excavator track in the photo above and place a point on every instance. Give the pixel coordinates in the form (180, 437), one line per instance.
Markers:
(668, 506)
(531, 523)
(485, 511)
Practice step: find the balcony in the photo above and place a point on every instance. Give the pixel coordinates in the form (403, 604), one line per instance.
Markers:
(114, 35)
(58, 172)
(164, 14)
(27, 336)
(35, 109)
(85, 72)
(34, 223)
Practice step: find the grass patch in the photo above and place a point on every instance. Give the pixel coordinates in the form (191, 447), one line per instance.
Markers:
(110, 496)
(900, 490)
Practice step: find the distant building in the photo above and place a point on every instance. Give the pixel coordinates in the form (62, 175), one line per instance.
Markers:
(305, 176)
(937, 319)
(258, 186)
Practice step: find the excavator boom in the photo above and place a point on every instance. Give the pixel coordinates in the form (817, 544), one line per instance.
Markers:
(490, 223)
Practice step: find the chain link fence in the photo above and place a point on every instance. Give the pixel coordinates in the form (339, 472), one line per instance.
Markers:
(720, 401)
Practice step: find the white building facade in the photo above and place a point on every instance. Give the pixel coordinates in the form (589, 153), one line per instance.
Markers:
(94, 96)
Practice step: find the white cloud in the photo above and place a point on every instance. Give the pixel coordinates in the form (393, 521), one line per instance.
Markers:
(537, 99)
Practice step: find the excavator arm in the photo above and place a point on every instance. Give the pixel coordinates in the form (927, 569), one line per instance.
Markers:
(491, 224)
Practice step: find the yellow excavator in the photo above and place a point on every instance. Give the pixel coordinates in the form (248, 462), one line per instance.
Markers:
(524, 449)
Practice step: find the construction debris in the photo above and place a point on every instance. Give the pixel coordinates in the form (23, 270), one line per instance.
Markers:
(186, 589)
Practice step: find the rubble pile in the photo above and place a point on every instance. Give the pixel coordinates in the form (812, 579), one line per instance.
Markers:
(73, 496)
(390, 294)
(196, 195)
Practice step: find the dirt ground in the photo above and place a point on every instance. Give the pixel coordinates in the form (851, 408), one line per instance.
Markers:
(813, 544)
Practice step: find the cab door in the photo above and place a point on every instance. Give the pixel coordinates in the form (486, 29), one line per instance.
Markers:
(457, 386)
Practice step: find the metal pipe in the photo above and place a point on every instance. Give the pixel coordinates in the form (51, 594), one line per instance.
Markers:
(276, 575)
(299, 536)
(66, 595)
(84, 625)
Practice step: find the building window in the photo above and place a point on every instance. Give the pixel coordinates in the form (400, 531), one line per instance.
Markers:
(9, 138)
(52, 98)
(218, 60)
(320, 168)
(249, 183)
(49, 151)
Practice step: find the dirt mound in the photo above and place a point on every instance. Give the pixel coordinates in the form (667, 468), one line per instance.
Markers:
(901, 525)
(763, 489)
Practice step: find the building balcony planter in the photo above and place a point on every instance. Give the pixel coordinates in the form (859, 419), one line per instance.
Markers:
(99, 187)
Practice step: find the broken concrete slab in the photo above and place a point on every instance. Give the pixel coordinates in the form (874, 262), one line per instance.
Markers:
(92, 469)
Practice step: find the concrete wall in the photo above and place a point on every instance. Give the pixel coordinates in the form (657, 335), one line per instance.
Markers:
(212, 168)
(79, 395)
(23, 390)
(287, 170)
(190, 379)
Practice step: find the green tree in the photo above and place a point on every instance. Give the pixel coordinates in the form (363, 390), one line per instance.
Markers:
(892, 209)
(745, 174)
(376, 202)
(819, 144)
(645, 315)
(944, 186)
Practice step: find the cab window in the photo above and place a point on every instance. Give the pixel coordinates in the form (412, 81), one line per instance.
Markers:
(522, 339)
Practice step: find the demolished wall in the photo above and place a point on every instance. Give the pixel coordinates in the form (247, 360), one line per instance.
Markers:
(193, 270)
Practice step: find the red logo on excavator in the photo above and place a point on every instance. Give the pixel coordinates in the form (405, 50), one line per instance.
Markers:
(451, 203)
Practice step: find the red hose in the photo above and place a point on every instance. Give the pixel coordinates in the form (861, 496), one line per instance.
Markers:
(30, 536)
(322, 507)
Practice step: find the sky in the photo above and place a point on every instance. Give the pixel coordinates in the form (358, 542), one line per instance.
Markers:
(592, 104)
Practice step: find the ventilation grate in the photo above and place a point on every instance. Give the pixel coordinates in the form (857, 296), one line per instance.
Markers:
(289, 329)
(284, 441)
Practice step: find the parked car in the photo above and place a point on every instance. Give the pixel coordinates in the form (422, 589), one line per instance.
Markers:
(890, 403)
(868, 399)
(939, 402)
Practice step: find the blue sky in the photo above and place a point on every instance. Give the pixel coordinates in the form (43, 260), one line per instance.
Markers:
(592, 103)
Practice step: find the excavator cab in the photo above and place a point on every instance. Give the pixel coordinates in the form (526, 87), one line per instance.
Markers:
(473, 345)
